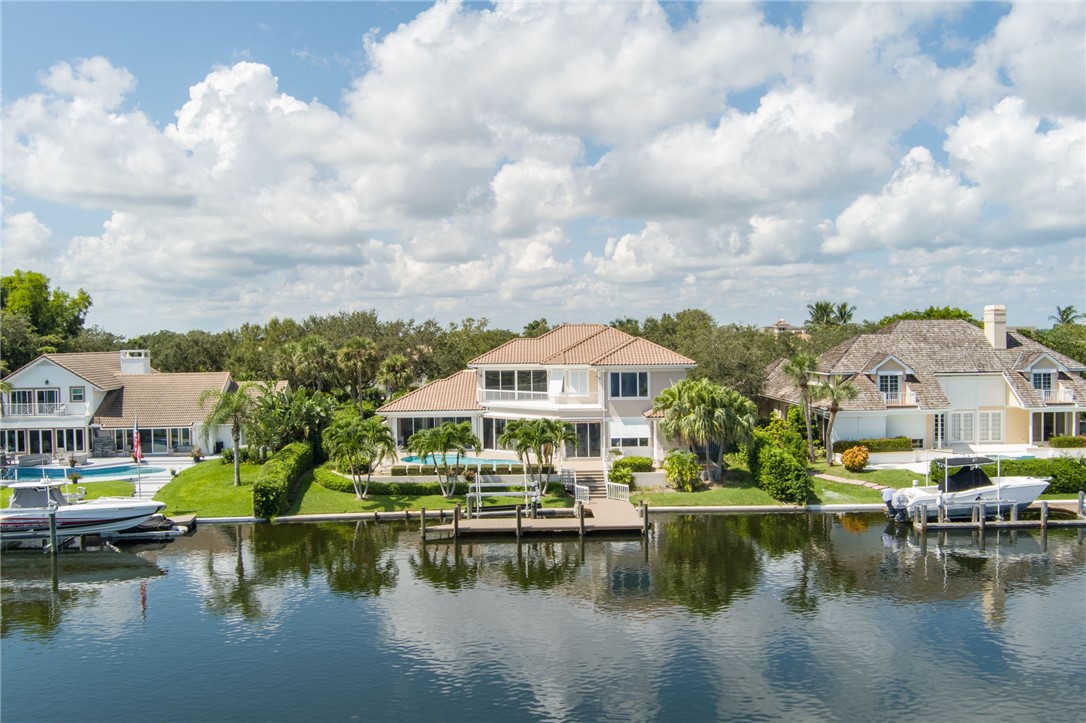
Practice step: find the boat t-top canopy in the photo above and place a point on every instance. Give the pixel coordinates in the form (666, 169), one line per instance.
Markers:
(37, 484)
(965, 461)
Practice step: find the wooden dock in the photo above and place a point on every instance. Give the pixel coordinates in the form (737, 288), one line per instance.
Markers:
(922, 524)
(598, 516)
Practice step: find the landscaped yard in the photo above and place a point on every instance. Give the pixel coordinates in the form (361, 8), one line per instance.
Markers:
(207, 490)
(886, 477)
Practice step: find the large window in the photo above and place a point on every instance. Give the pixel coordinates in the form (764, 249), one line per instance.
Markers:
(1042, 381)
(492, 430)
(410, 425)
(989, 426)
(588, 440)
(630, 385)
(961, 426)
(509, 384)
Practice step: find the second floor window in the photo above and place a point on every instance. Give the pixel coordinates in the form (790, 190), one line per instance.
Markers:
(76, 394)
(889, 384)
(1042, 380)
(630, 384)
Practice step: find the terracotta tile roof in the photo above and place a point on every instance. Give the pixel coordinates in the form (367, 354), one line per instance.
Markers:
(454, 393)
(590, 344)
(159, 400)
(931, 348)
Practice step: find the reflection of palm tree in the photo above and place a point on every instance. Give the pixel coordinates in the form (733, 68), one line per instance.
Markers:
(445, 567)
(239, 594)
(545, 567)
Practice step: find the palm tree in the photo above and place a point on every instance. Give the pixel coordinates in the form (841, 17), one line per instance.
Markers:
(395, 373)
(342, 442)
(836, 391)
(378, 442)
(523, 437)
(441, 440)
(315, 361)
(554, 434)
(359, 360)
(736, 418)
(800, 368)
(1065, 315)
(842, 313)
(820, 313)
(235, 408)
(689, 408)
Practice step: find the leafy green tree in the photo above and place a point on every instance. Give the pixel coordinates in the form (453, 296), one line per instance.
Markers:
(437, 443)
(628, 325)
(395, 373)
(836, 391)
(95, 338)
(799, 369)
(19, 344)
(932, 312)
(283, 416)
(1065, 315)
(232, 407)
(51, 312)
(456, 345)
(698, 411)
(193, 351)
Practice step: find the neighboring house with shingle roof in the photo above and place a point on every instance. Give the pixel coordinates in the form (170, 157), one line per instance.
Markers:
(596, 377)
(946, 383)
(90, 403)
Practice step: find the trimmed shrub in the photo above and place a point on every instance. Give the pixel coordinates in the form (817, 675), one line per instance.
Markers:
(1068, 473)
(621, 475)
(1067, 442)
(330, 480)
(683, 470)
(634, 464)
(776, 434)
(855, 458)
(782, 476)
(883, 444)
(277, 483)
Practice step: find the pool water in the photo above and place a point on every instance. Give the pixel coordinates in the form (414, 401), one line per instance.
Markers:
(466, 461)
(88, 473)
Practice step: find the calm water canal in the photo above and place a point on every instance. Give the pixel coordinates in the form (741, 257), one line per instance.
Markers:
(808, 617)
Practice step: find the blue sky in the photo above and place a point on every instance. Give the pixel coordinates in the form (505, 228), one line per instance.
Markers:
(201, 165)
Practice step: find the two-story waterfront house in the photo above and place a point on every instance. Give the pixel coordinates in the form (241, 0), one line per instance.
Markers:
(89, 404)
(948, 384)
(597, 378)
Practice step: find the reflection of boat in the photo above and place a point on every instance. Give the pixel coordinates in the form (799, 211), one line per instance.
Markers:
(85, 566)
(960, 493)
(27, 517)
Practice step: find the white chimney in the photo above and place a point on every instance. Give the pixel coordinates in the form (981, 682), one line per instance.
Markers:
(995, 325)
(135, 361)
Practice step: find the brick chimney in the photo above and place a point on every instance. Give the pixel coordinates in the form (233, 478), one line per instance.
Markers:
(135, 361)
(995, 325)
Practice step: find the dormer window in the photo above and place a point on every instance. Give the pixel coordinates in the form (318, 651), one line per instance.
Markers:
(1042, 381)
(890, 386)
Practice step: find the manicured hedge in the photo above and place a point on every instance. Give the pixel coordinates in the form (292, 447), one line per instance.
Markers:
(634, 464)
(277, 482)
(416, 470)
(884, 444)
(782, 476)
(1068, 473)
(1067, 442)
(330, 480)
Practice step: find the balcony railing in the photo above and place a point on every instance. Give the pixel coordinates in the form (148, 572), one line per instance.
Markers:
(1057, 396)
(510, 395)
(46, 409)
(906, 398)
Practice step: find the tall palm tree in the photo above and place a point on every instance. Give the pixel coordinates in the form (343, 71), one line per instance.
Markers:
(523, 437)
(378, 442)
(235, 408)
(359, 359)
(820, 313)
(1065, 315)
(842, 313)
(554, 435)
(800, 368)
(316, 361)
(736, 418)
(342, 442)
(835, 391)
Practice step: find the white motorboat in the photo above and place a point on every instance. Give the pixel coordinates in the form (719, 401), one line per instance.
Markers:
(27, 516)
(960, 493)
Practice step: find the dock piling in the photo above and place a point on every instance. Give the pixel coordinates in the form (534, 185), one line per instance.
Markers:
(644, 520)
(422, 522)
(1014, 513)
(518, 522)
(456, 522)
(1044, 514)
(580, 519)
(1081, 503)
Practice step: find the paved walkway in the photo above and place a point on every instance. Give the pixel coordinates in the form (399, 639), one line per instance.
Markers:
(858, 483)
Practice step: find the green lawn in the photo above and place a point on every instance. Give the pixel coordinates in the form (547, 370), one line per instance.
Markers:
(825, 492)
(318, 500)
(207, 489)
(887, 477)
(98, 488)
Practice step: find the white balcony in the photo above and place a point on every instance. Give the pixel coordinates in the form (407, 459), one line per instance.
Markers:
(46, 409)
(906, 398)
(1057, 396)
(510, 395)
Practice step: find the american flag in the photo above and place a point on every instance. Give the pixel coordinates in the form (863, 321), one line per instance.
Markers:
(136, 440)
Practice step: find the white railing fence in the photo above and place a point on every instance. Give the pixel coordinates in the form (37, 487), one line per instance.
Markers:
(580, 493)
(616, 491)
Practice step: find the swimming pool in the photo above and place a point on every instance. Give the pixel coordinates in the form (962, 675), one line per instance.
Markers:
(466, 461)
(85, 473)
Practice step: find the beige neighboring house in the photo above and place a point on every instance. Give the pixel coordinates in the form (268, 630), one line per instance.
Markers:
(89, 404)
(597, 378)
(783, 327)
(948, 384)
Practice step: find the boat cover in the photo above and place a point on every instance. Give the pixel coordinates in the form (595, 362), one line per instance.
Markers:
(967, 478)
